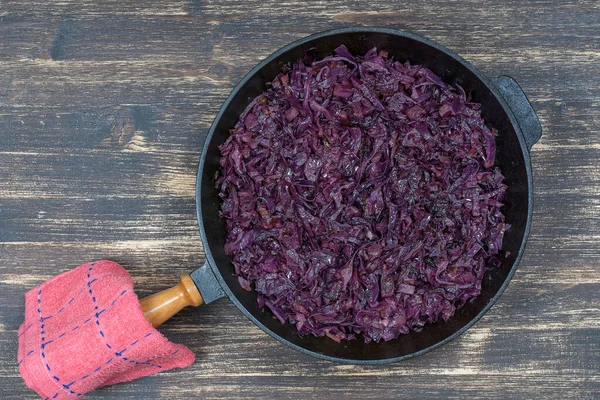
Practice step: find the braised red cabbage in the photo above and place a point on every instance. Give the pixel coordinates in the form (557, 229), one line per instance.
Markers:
(360, 197)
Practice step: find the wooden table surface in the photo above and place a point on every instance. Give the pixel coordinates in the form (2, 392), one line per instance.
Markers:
(104, 107)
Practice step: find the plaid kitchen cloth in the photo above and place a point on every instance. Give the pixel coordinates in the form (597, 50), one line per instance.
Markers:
(85, 329)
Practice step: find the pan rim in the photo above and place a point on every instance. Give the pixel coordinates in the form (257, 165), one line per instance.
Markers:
(481, 76)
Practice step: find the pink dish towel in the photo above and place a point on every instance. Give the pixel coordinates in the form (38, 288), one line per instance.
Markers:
(85, 329)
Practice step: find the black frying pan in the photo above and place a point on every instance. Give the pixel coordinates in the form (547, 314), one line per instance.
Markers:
(504, 107)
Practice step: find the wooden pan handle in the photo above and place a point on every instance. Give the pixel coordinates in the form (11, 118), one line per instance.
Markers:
(161, 306)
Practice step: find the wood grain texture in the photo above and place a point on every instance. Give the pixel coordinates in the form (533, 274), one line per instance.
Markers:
(104, 107)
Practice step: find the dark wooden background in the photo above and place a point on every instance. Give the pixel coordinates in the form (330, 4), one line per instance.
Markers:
(104, 106)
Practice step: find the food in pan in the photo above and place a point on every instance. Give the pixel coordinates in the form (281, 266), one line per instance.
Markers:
(360, 197)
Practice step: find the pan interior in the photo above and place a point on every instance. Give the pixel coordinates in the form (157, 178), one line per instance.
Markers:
(510, 158)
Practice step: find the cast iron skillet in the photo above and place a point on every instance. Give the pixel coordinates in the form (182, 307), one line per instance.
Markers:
(504, 107)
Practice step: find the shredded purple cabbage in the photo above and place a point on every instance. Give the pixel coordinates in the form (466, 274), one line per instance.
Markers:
(360, 197)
